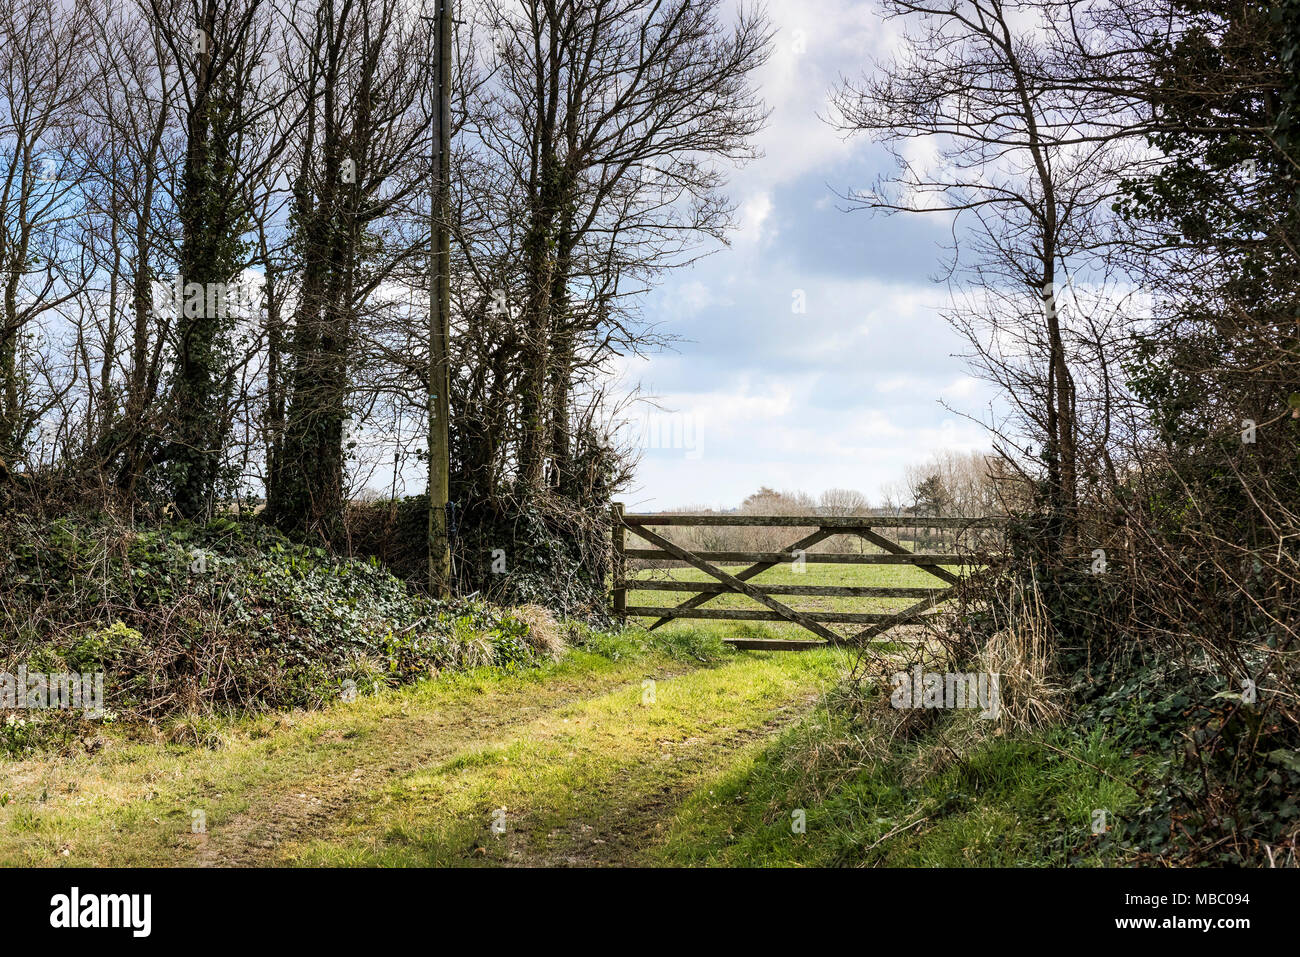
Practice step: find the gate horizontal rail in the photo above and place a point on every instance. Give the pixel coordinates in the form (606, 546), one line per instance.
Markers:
(833, 591)
(938, 564)
(745, 614)
(815, 521)
(813, 558)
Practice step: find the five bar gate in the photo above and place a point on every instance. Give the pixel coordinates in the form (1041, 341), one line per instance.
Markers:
(725, 583)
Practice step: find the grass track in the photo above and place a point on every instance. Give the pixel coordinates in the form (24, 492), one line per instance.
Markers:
(588, 773)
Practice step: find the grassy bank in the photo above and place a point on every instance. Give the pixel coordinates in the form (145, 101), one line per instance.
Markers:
(1005, 802)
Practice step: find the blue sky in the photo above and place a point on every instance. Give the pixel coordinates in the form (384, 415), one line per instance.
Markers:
(846, 393)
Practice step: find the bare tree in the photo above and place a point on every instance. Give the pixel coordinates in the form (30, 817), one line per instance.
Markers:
(1021, 157)
(43, 77)
(603, 125)
(360, 151)
(843, 501)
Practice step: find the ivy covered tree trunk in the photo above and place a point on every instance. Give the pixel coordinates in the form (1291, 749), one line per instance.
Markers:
(11, 392)
(539, 263)
(212, 220)
(14, 256)
(306, 493)
(335, 198)
(563, 356)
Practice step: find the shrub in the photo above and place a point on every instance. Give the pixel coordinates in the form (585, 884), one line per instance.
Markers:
(187, 620)
(544, 551)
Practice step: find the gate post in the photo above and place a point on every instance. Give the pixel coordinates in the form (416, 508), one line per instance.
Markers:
(619, 570)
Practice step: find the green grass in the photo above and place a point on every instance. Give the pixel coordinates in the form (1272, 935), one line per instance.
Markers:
(411, 776)
(144, 790)
(590, 783)
(1009, 801)
(586, 770)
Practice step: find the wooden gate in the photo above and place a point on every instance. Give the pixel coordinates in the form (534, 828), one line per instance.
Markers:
(892, 553)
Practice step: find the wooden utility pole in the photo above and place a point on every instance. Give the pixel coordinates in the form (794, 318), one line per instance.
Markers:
(439, 315)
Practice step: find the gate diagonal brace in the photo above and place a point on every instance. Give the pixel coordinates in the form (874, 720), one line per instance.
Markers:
(912, 612)
(783, 610)
(890, 545)
(697, 600)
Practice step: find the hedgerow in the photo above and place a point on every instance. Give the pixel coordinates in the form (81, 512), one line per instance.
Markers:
(230, 615)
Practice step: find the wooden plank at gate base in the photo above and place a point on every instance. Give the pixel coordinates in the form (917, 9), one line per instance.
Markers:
(841, 522)
(756, 614)
(808, 541)
(785, 611)
(773, 644)
(813, 558)
(838, 591)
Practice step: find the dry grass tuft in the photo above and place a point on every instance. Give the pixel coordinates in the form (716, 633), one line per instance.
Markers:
(544, 632)
(1020, 653)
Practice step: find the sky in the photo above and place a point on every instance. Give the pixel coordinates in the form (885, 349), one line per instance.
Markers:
(846, 392)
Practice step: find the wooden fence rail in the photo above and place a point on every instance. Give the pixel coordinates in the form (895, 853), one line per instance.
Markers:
(823, 527)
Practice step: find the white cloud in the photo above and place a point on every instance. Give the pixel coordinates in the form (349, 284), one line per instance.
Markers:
(815, 401)
(965, 387)
(835, 36)
(845, 393)
(754, 212)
